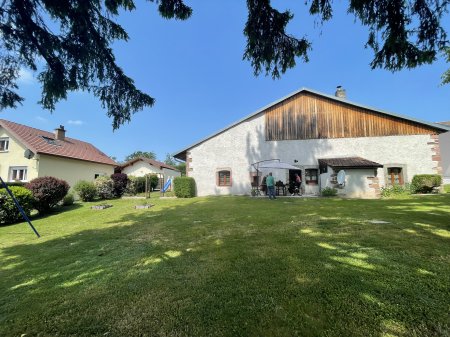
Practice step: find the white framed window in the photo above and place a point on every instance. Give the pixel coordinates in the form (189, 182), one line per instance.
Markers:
(18, 173)
(4, 144)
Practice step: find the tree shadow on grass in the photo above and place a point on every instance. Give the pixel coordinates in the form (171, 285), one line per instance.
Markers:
(233, 266)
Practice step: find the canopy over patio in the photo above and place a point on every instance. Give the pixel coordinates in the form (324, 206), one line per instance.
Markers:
(273, 164)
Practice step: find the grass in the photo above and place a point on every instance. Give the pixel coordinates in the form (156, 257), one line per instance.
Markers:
(231, 266)
(447, 188)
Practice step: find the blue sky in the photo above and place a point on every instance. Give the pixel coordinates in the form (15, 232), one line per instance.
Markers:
(194, 70)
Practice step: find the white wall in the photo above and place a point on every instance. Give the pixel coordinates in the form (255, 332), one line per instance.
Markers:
(356, 183)
(244, 144)
(444, 141)
(141, 168)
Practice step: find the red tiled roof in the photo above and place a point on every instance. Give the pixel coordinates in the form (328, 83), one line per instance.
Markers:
(152, 162)
(70, 148)
(349, 162)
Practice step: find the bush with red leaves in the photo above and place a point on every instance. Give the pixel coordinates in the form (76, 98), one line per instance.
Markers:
(120, 181)
(47, 192)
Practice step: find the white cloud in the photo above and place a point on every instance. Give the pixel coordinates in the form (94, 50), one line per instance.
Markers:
(75, 122)
(26, 76)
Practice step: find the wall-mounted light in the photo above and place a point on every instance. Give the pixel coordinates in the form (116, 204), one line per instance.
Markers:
(295, 161)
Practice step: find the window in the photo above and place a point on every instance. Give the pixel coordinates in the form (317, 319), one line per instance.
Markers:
(395, 175)
(4, 144)
(18, 174)
(311, 176)
(224, 178)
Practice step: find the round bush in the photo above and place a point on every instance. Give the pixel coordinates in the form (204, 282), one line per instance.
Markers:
(68, 199)
(425, 183)
(105, 187)
(85, 190)
(47, 192)
(120, 181)
(9, 213)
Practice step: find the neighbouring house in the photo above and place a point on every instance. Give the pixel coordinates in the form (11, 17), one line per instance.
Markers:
(320, 135)
(27, 153)
(142, 166)
(444, 141)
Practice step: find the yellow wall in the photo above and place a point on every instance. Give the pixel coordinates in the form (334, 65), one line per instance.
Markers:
(71, 170)
(14, 157)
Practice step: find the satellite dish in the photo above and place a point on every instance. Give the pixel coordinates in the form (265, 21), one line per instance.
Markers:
(28, 154)
(341, 177)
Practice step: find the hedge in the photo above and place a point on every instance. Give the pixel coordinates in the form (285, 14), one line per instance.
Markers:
(8, 210)
(184, 187)
(425, 183)
(86, 190)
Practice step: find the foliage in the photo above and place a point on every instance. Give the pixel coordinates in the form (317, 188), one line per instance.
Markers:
(9, 212)
(425, 183)
(184, 187)
(329, 192)
(47, 192)
(141, 154)
(447, 188)
(396, 191)
(68, 200)
(74, 41)
(446, 75)
(256, 266)
(76, 51)
(120, 182)
(86, 190)
(154, 179)
(180, 166)
(105, 187)
(15, 183)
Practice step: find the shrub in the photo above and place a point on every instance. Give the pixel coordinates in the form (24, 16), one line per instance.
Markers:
(15, 183)
(104, 187)
(120, 181)
(395, 191)
(47, 192)
(447, 188)
(8, 209)
(68, 199)
(425, 183)
(86, 190)
(329, 192)
(153, 181)
(184, 187)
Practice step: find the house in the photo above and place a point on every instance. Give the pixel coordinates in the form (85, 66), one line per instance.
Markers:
(321, 135)
(27, 153)
(444, 141)
(141, 166)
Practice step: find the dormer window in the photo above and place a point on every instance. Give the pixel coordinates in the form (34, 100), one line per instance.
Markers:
(4, 144)
(50, 141)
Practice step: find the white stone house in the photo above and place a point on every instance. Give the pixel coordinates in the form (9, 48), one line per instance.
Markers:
(141, 166)
(315, 132)
(444, 141)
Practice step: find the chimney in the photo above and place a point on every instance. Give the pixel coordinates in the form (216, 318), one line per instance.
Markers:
(60, 133)
(340, 92)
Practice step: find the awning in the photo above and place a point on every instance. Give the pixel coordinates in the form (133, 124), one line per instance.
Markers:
(274, 164)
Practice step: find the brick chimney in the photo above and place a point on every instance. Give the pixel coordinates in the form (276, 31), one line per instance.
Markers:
(60, 133)
(340, 92)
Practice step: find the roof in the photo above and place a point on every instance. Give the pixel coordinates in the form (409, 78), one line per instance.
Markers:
(348, 162)
(152, 162)
(441, 127)
(43, 142)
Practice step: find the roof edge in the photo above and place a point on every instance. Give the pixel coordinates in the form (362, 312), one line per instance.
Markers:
(437, 126)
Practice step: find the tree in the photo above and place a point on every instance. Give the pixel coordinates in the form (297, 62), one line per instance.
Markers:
(178, 165)
(137, 154)
(78, 56)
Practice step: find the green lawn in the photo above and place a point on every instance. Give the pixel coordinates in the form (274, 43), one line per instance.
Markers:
(231, 266)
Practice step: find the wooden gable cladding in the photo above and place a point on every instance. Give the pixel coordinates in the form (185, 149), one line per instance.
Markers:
(309, 116)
